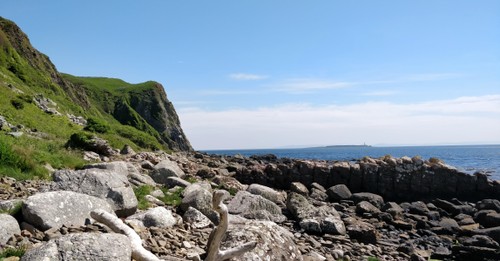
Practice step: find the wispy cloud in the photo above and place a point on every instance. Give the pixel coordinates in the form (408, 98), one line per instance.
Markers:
(247, 77)
(426, 77)
(305, 85)
(431, 122)
(380, 93)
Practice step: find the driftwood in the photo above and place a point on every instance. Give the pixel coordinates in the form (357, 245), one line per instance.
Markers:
(214, 241)
(139, 253)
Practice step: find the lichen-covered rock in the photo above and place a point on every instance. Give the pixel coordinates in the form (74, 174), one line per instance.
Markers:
(273, 241)
(82, 246)
(8, 227)
(255, 207)
(196, 218)
(101, 183)
(54, 209)
(300, 188)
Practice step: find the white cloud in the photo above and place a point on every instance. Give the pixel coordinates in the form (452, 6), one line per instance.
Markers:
(305, 85)
(247, 77)
(380, 93)
(460, 120)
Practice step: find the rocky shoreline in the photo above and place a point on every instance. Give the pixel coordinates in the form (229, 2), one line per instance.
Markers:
(388, 208)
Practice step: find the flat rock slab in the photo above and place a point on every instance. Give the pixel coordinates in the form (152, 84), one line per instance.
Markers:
(83, 246)
(8, 227)
(54, 209)
(111, 185)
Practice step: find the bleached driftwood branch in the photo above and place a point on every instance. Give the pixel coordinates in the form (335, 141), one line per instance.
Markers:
(214, 240)
(139, 253)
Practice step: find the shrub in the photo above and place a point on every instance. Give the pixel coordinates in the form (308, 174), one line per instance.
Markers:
(17, 103)
(79, 140)
(8, 252)
(96, 125)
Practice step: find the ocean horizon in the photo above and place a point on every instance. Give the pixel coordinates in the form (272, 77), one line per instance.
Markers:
(466, 158)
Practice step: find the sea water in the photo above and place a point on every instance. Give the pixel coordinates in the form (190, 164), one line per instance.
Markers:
(469, 158)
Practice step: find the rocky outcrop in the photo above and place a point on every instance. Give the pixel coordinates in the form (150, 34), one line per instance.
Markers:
(83, 246)
(392, 178)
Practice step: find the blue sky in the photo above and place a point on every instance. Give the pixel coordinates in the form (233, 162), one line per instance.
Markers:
(263, 74)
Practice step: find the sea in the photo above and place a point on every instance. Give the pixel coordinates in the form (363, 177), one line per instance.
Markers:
(466, 158)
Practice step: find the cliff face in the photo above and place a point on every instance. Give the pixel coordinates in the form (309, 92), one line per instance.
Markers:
(143, 106)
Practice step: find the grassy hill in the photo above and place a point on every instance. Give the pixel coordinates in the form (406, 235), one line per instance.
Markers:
(139, 115)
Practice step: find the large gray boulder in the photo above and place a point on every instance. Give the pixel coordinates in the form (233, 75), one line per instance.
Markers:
(82, 246)
(8, 227)
(54, 209)
(165, 169)
(155, 217)
(199, 196)
(102, 183)
(255, 207)
(273, 241)
(317, 220)
(267, 192)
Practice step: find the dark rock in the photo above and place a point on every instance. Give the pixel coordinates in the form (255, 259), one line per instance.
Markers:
(487, 218)
(394, 209)
(366, 207)
(361, 231)
(375, 199)
(419, 208)
(318, 194)
(480, 241)
(492, 204)
(338, 192)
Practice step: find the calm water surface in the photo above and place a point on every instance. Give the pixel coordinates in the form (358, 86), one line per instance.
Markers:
(470, 158)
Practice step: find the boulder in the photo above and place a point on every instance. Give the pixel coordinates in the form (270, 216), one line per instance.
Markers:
(418, 208)
(165, 169)
(102, 183)
(492, 232)
(255, 207)
(318, 220)
(198, 196)
(57, 208)
(8, 227)
(196, 218)
(487, 218)
(83, 246)
(267, 192)
(375, 199)
(300, 188)
(366, 207)
(318, 194)
(394, 209)
(338, 192)
(492, 204)
(154, 217)
(273, 241)
(480, 241)
(361, 231)
(176, 181)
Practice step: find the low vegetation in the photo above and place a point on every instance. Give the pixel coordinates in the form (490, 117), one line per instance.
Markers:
(171, 198)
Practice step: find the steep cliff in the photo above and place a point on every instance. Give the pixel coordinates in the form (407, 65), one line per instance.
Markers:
(144, 107)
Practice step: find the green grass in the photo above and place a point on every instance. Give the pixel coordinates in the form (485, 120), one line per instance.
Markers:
(171, 198)
(140, 193)
(13, 211)
(8, 252)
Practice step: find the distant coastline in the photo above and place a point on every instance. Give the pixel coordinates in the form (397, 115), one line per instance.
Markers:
(347, 146)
